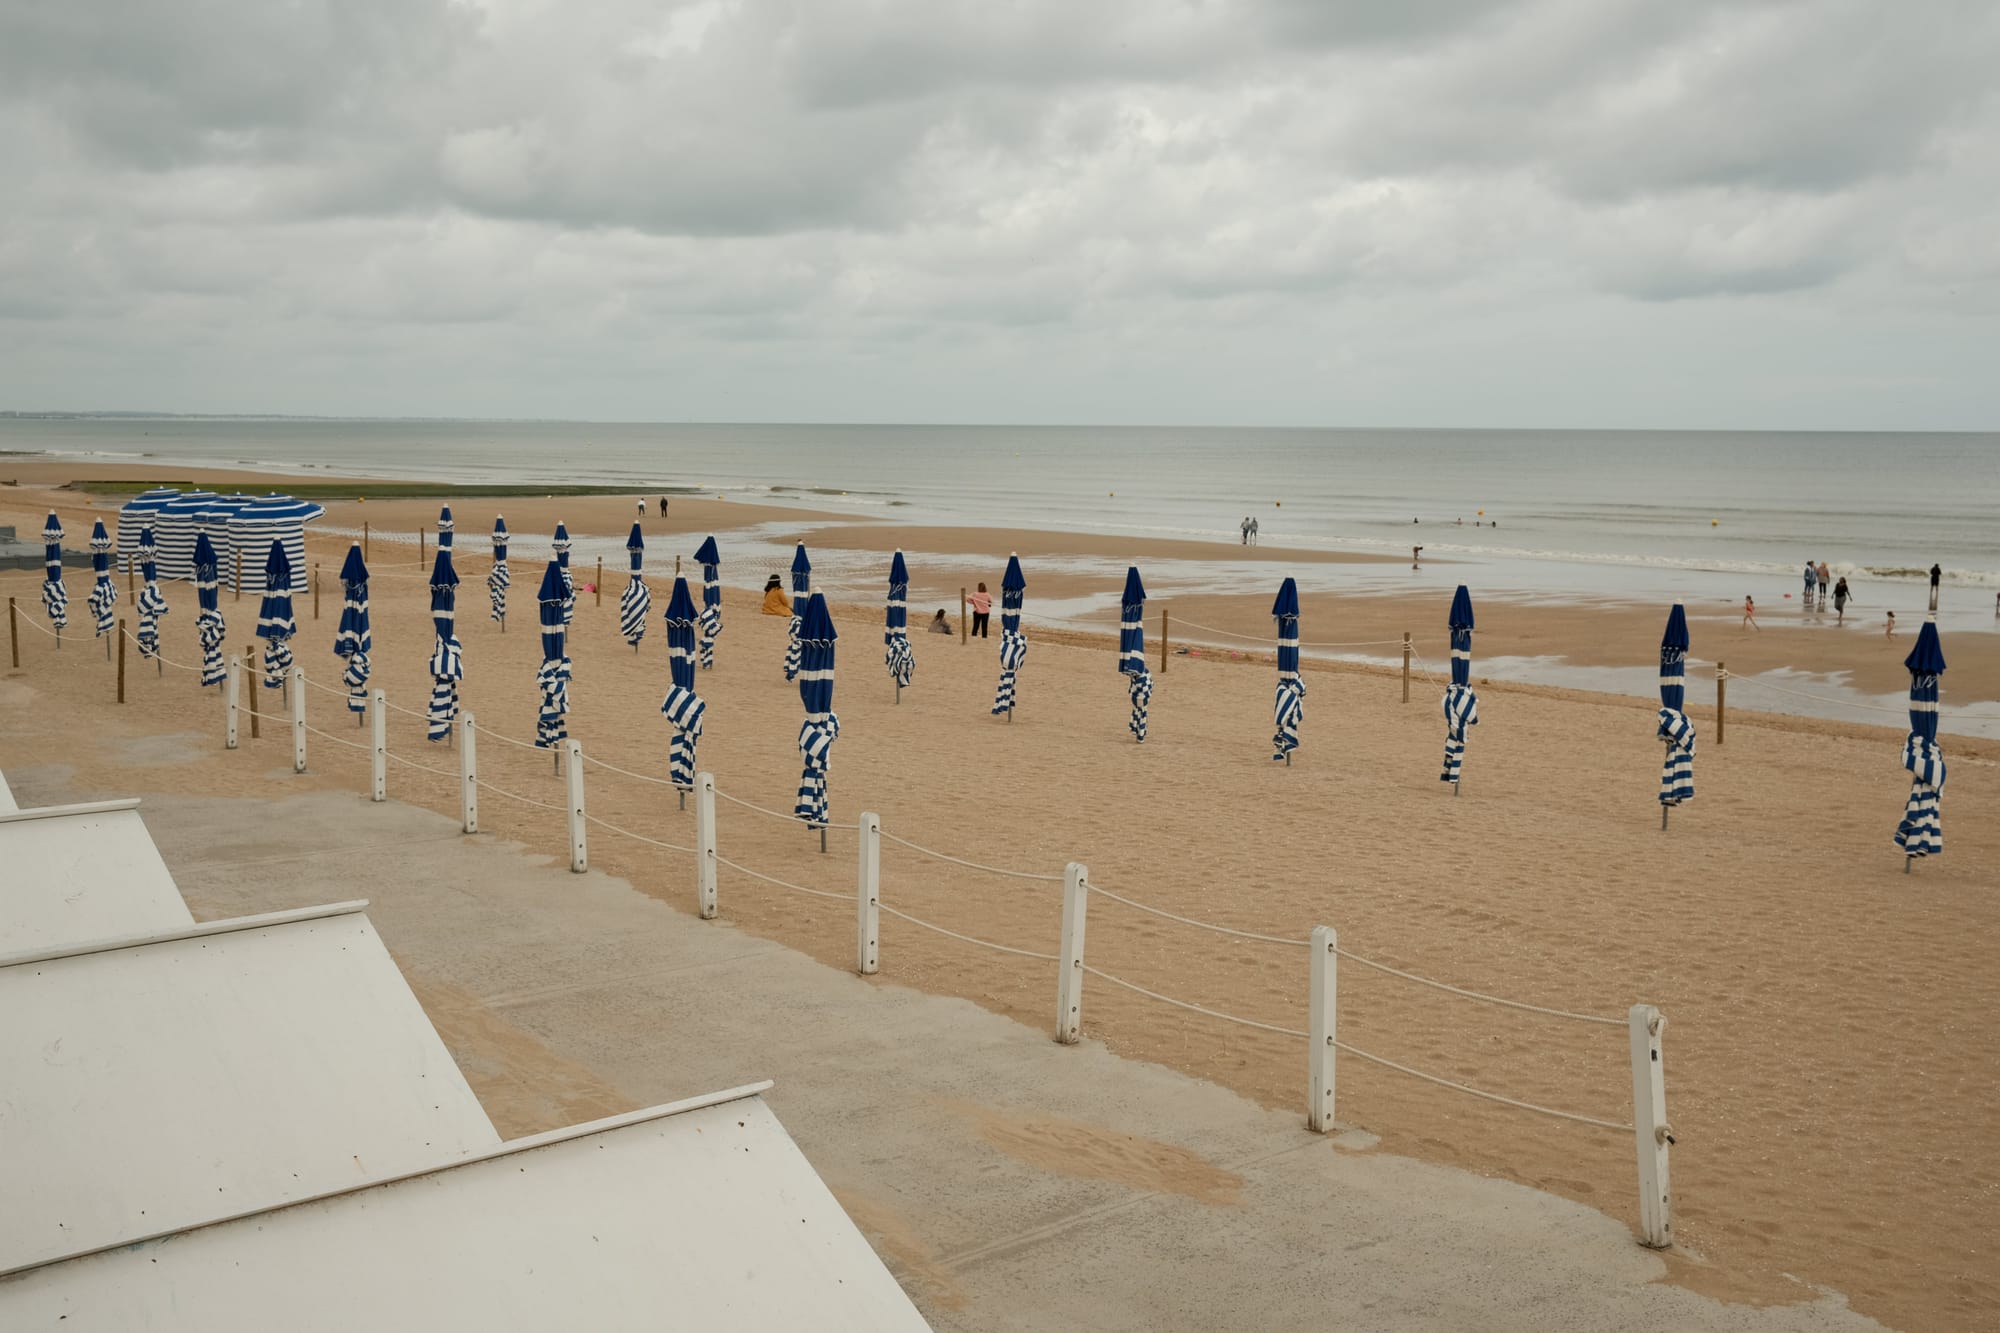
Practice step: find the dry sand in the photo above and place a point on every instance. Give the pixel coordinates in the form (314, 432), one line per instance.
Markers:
(1831, 1066)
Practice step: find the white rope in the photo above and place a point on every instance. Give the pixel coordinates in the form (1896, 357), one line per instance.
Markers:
(784, 884)
(407, 712)
(505, 739)
(395, 758)
(643, 777)
(1760, 682)
(638, 837)
(484, 785)
(161, 657)
(1424, 668)
(984, 944)
(324, 689)
(1098, 890)
(1194, 1008)
(1270, 639)
(789, 819)
(1476, 1092)
(972, 865)
(31, 623)
(1475, 995)
(352, 745)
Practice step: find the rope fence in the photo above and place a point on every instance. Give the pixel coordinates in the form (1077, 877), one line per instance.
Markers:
(1956, 714)
(639, 837)
(775, 814)
(1195, 1008)
(970, 865)
(781, 883)
(984, 944)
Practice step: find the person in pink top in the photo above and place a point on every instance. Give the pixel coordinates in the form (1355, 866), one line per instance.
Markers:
(981, 603)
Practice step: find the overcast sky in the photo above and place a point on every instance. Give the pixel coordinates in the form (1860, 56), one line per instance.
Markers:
(1288, 212)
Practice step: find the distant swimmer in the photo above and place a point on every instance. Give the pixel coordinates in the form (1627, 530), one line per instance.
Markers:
(1416, 556)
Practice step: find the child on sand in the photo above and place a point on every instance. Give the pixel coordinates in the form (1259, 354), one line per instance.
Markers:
(1750, 613)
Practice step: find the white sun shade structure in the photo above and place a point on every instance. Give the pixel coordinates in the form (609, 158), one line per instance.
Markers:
(698, 1215)
(175, 528)
(78, 873)
(159, 1083)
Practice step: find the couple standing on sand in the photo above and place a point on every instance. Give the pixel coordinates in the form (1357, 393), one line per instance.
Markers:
(1249, 526)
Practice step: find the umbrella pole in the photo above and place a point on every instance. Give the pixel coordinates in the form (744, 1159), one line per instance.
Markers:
(899, 692)
(1906, 864)
(822, 840)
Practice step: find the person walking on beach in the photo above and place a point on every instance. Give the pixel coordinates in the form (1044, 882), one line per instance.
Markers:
(642, 508)
(1246, 529)
(1253, 531)
(1750, 614)
(1812, 581)
(981, 603)
(1840, 596)
(1890, 631)
(1823, 573)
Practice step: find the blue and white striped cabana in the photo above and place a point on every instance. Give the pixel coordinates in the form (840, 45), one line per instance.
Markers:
(822, 725)
(498, 580)
(137, 515)
(1289, 709)
(636, 602)
(55, 594)
(209, 629)
(902, 661)
(801, 591)
(1132, 650)
(1013, 643)
(683, 708)
(710, 561)
(268, 518)
(353, 641)
(103, 592)
(213, 519)
(152, 604)
(1922, 831)
(447, 654)
(1461, 705)
(175, 528)
(275, 623)
(561, 547)
(1677, 775)
(553, 676)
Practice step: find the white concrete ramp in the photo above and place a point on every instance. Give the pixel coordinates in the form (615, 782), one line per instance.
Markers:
(6, 797)
(157, 1083)
(701, 1215)
(72, 874)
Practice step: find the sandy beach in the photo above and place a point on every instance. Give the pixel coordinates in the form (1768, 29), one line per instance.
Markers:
(1829, 1062)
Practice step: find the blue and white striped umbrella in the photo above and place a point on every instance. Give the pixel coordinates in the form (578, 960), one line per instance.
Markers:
(1922, 832)
(1013, 643)
(1677, 776)
(444, 528)
(209, 629)
(553, 677)
(561, 545)
(683, 707)
(636, 602)
(1461, 705)
(498, 580)
(103, 592)
(55, 596)
(275, 624)
(354, 640)
(822, 725)
(1132, 651)
(1290, 707)
(710, 561)
(152, 603)
(801, 590)
(448, 655)
(902, 661)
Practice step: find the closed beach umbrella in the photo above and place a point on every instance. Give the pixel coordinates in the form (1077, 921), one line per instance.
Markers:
(1013, 643)
(710, 561)
(498, 580)
(1677, 776)
(55, 597)
(1132, 651)
(553, 677)
(103, 592)
(1290, 707)
(152, 604)
(444, 528)
(562, 569)
(208, 626)
(801, 590)
(1461, 705)
(636, 602)
(683, 707)
(447, 655)
(1921, 833)
(822, 725)
(353, 640)
(275, 625)
(896, 626)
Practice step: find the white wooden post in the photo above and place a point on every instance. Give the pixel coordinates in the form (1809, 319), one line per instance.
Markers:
(378, 723)
(704, 846)
(868, 897)
(578, 860)
(232, 693)
(1325, 988)
(1650, 1128)
(1069, 980)
(298, 719)
(468, 775)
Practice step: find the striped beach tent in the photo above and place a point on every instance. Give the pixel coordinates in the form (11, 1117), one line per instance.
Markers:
(268, 518)
(902, 661)
(1290, 707)
(213, 519)
(1461, 705)
(1132, 650)
(1921, 832)
(275, 624)
(137, 515)
(636, 602)
(710, 561)
(175, 528)
(553, 676)
(683, 707)
(209, 629)
(448, 655)
(822, 725)
(103, 592)
(55, 594)
(1013, 643)
(801, 591)
(354, 640)
(1677, 775)
(498, 580)
(561, 547)
(444, 529)
(152, 604)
